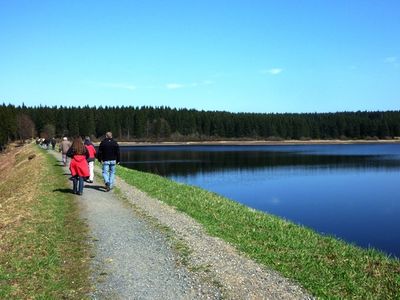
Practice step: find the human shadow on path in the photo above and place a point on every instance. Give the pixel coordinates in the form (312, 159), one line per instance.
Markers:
(66, 191)
(100, 188)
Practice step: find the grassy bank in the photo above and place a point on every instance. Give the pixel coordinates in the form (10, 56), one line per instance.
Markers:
(326, 267)
(42, 250)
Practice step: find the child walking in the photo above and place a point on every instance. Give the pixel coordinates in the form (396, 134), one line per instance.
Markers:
(79, 167)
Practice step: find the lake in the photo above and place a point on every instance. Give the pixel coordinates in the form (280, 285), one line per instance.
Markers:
(349, 191)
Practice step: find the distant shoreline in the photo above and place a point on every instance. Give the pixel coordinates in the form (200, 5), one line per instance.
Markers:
(261, 142)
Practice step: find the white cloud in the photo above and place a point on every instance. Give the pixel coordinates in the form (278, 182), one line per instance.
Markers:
(391, 59)
(273, 71)
(127, 86)
(207, 82)
(174, 86)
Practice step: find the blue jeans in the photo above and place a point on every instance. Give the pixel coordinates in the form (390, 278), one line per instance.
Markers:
(77, 182)
(109, 172)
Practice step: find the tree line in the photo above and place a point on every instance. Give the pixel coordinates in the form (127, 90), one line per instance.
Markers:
(163, 123)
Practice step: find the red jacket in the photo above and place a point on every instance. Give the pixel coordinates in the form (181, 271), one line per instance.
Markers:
(79, 166)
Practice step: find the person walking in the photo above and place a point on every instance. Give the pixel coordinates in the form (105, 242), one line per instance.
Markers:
(109, 156)
(92, 156)
(79, 167)
(64, 146)
(53, 143)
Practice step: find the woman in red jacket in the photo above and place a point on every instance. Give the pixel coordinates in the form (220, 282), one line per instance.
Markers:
(78, 166)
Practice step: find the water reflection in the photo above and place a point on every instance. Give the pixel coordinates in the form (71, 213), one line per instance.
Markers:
(184, 161)
(350, 191)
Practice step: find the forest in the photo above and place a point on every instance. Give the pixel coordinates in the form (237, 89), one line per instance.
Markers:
(171, 124)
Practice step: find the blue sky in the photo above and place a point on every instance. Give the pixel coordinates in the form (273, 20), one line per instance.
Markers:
(239, 56)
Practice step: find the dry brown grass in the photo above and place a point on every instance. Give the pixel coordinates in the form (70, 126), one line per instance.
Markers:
(7, 160)
(18, 187)
(43, 253)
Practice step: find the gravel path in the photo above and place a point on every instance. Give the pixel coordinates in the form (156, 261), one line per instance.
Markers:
(134, 259)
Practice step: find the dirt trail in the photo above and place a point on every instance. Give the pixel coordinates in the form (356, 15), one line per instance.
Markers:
(134, 260)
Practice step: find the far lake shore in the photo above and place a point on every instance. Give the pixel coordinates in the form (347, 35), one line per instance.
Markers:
(261, 142)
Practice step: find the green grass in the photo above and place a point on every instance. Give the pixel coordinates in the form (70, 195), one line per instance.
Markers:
(46, 255)
(325, 266)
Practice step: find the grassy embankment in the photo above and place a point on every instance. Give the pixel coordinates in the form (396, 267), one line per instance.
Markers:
(43, 254)
(326, 267)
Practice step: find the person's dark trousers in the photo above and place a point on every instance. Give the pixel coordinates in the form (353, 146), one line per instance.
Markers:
(77, 183)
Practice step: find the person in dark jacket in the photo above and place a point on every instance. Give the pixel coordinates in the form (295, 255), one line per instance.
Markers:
(108, 155)
(53, 143)
(92, 156)
(79, 167)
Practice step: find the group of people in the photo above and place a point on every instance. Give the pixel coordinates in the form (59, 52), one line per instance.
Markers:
(83, 155)
(45, 143)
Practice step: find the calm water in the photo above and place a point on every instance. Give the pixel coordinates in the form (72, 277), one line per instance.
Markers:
(350, 191)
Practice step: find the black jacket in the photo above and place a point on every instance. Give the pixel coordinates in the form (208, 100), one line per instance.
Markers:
(108, 150)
